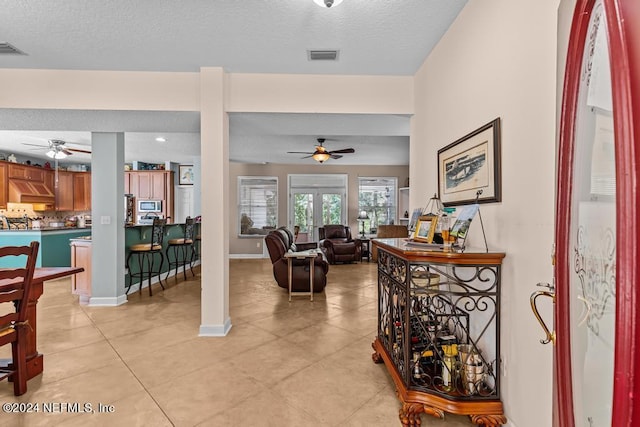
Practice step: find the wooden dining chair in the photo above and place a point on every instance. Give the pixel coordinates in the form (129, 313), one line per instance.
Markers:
(15, 285)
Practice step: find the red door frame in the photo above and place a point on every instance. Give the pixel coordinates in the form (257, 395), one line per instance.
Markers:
(623, 28)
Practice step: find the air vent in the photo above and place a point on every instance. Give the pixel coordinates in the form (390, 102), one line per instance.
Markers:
(6, 48)
(323, 55)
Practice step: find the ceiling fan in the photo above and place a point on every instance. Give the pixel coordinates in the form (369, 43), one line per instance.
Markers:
(57, 149)
(321, 154)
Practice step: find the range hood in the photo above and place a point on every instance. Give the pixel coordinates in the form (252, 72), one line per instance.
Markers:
(23, 191)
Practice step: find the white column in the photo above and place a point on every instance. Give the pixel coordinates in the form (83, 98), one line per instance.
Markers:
(107, 210)
(214, 134)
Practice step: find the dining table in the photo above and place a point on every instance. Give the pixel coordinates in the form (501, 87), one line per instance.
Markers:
(35, 360)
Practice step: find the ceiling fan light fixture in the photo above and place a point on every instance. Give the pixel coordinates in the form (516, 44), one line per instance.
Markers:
(321, 157)
(56, 154)
(327, 3)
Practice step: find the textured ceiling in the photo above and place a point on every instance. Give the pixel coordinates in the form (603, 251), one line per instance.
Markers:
(374, 37)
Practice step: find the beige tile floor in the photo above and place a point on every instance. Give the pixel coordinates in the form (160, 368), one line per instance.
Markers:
(282, 364)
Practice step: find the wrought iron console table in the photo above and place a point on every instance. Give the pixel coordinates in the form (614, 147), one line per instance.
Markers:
(439, 331)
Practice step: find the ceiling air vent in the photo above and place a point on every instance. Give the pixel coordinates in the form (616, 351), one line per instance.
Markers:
(322, 55)
(6, 48)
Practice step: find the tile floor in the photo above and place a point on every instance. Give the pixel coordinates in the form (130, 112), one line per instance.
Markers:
(282, 364)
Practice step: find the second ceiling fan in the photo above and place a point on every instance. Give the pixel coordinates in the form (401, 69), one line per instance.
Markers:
(322, 154)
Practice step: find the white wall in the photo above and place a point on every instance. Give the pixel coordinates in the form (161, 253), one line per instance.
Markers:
(498, 59)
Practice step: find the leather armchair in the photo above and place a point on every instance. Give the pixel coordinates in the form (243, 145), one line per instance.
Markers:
(279, 242)
(338, 245)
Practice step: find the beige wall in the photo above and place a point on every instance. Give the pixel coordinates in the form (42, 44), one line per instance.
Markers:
(498, 59)
(100, 90)
(278, 93)
(248, 246)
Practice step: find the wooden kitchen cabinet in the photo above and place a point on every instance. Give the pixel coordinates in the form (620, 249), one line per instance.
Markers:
(152, 185)
(26, 172)
(64, 192)
(81, 191)
(148, 185)
(4, 186)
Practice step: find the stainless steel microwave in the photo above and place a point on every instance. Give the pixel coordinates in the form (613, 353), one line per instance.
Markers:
(149, 206)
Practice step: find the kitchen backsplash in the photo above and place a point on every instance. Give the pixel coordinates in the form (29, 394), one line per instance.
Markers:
(18, 210)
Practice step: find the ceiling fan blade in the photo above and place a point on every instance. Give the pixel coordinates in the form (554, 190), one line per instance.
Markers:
(298, 152)
(306, 157)
(35, 145)
(77, 150)
(65, 151)
(336, 156)
(343, 151)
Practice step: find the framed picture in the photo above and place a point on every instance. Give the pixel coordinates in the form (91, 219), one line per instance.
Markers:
(469, 168)
(414, 219)
(185, 175)
(425, 228)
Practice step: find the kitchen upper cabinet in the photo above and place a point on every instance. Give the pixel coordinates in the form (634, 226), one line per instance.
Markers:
(4, 186)
(64, 192)
(151, 185)
(81, 191)
(148, 185)
(26, 172)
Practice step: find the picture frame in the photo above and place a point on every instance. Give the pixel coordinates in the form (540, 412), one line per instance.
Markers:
(469, 169)
(425, 228)
(185, 175)
(414, 219)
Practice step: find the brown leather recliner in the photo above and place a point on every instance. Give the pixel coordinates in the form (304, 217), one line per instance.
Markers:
(279, 242)
(336, 242)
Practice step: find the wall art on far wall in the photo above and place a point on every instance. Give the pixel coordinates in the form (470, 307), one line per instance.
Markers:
(470, 164)
(185, 176)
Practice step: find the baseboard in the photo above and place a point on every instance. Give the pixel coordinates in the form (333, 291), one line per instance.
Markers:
(107, 301)
(215, 330)
(247, 256)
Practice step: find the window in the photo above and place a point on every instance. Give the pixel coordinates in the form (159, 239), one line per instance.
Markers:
(377, 197)
(257, 205)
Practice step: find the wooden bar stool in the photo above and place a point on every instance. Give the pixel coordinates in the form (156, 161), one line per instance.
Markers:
(145, 254)
(182, 249)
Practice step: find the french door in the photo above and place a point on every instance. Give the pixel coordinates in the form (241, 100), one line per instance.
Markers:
(311, 208)
(597, 252)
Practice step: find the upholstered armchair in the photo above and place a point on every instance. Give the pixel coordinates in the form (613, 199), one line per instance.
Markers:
(279, 242)
(338, 245)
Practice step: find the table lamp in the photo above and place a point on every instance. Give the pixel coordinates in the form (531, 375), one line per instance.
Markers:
(362, 217)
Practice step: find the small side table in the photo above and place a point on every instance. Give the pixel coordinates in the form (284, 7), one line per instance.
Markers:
(366, 249)
(311, 254)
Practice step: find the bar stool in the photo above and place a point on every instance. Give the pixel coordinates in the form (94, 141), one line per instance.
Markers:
(180, 248)
(145, 254)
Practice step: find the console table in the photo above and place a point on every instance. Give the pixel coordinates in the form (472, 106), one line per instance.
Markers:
(439, 331)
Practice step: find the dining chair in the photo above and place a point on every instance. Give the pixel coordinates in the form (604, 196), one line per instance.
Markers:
(15, 285)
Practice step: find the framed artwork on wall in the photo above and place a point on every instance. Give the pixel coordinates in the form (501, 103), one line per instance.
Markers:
(471, 166)
(185, 175)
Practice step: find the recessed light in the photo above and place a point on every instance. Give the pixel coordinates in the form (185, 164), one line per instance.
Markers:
(161, 139)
